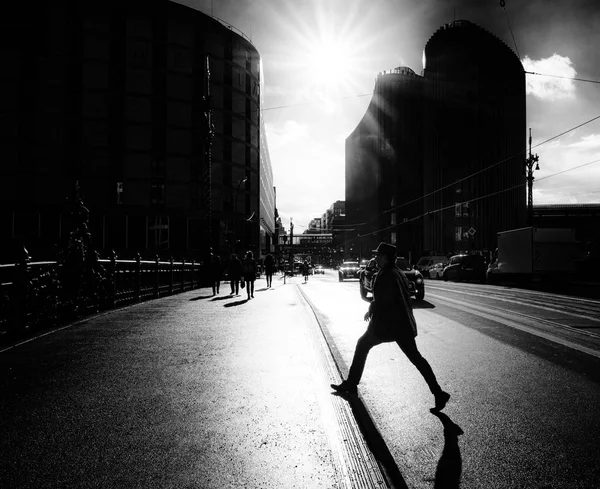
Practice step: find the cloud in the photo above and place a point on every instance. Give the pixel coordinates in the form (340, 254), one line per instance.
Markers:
(589, 142)
(291, 132)
(570, 170)
(548, 87)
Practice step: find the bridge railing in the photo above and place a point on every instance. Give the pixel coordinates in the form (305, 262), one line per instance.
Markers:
(44, 294)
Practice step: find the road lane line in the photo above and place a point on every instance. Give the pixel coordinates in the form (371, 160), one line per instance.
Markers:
(530, 304)
(481, 311)
(363, 449)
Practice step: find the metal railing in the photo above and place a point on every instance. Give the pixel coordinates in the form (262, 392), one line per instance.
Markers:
(44, 294)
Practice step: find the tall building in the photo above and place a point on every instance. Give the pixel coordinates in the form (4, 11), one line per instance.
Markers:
(383, 166)
(152, 109)
(474, 119)
(417, 164)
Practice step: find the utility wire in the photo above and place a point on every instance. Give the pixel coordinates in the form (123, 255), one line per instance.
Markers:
(300, 104)
(568, 170)
(441, 209)
(563, 77)
(503, 5)
(488, 167)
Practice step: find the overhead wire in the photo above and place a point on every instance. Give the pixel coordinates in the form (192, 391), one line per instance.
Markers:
(480, 171)
(563, 77)
(503, 5)
(441, 209)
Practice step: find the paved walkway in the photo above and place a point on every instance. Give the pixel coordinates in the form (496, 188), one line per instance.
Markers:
(186, 391)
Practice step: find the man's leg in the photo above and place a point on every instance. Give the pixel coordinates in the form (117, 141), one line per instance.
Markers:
(409, 346)
(363, 346)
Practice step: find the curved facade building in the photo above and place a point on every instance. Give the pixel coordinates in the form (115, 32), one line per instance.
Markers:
(153, 108)
(473, 118)
(417, 164)
(383, 165)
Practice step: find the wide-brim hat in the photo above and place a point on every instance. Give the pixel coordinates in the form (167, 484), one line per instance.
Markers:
(385, 249)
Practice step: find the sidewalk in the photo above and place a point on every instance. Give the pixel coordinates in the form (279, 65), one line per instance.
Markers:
(189, 391)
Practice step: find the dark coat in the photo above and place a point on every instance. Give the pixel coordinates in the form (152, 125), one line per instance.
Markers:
(269, 264)
(235, 269)
(391, 312)
(249, 269)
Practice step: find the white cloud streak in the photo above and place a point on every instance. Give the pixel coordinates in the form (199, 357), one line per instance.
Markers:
(547, 87)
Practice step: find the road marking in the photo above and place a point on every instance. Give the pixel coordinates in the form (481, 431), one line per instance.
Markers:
(514, 301)
(360, 468)
(481, 311)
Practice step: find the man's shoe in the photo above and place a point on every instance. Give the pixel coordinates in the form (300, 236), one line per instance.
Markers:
(441, 400)
(344, 388)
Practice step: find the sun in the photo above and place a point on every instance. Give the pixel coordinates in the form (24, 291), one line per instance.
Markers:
(330, 62)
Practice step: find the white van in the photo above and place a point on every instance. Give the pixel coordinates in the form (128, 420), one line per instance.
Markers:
(426, 262)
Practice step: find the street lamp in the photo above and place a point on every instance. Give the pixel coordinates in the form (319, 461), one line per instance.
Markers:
(528, 165)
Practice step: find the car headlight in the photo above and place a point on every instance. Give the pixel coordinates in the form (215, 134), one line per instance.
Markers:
(419, 280)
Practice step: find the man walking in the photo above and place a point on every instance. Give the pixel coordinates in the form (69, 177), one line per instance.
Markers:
(390, 319)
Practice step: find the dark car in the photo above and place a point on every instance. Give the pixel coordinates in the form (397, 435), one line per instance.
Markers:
(416, 284)
(466, 267)
(348, 269)
(319, 270)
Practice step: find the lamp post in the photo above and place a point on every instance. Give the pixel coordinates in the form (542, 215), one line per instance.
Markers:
(528, 166)
(235, 211)
(291, 246)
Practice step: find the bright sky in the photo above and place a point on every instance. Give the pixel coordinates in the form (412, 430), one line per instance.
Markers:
(321, 58)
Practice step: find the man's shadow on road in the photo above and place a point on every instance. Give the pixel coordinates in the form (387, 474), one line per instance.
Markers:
(221, 298)
(422, 305)
(449, 468)
(236, 303)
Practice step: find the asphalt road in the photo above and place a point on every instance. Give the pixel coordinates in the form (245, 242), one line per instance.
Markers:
(209, 392)
(188, 391)
(523, 368)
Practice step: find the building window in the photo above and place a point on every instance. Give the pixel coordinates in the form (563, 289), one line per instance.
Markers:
(157, 194)
(158, 233)
(457, 210)
(458, 233)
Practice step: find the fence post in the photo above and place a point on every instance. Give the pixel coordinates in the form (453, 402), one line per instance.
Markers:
(113, 279)
(157, 278)
(20, 291)
(138, 277)
(182, 274)
(171, 281)
(193, 263)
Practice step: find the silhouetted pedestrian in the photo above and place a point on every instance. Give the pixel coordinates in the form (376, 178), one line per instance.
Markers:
(249, 273)
(235, 274)
(305, 270)
(216, 272)
(269, 263)
(391, 318)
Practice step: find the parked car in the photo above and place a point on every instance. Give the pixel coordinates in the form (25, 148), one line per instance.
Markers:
(466, 267)
(348, 269)
(426, 263)
(437, 270)
(319, 270)
(416, 284)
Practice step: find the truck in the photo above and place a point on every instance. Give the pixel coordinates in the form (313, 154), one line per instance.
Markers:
(535, 254)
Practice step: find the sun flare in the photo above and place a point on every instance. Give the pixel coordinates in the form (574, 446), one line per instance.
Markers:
(329, 63)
